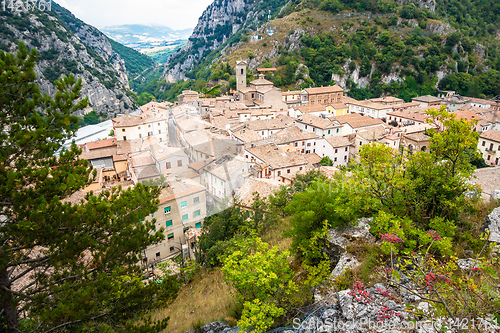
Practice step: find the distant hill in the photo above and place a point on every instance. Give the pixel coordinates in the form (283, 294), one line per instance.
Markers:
(140, 36)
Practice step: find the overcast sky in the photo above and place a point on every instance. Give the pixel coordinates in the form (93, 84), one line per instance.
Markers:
(176, 14)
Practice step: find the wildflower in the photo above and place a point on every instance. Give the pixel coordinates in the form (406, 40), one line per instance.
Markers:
(435, 236)
(360, 294)
(391, 238)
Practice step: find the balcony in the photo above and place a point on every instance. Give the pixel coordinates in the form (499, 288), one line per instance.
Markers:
(491, 151)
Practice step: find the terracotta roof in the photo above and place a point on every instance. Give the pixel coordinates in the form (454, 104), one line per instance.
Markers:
(100, 144)
(409, 114)
(315, 121)
(482, 101)
(99, 153)
(372, 133)
(371, 105)
(179, 188)
(278, 156)
(265, 187)
(117, 158)
(406, 105)
(338, 106)
(142, 159)
(292, 134)
(338, 141)
(197, 166)
(388, 99)
(311, 108)
(247, 135)
(271, 69)
(419, 137)
(228, 167)
(324, 90)
(129, 120)
(261, 81)
(467, 114)
(427, 99)
(491, 135)
(289, 93)
(356, 120)
(279, 122)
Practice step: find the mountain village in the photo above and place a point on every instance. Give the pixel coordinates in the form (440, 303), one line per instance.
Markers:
(215, 152)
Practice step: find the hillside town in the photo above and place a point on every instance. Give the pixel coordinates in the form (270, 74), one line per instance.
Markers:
(215, 152)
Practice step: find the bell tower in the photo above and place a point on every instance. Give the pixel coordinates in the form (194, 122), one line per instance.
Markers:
(241, 74)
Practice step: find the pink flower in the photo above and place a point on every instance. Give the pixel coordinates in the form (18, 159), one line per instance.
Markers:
(435, 236)
(391, 238)
(359, 294)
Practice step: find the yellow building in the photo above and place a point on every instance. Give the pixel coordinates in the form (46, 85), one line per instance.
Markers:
(337, 109)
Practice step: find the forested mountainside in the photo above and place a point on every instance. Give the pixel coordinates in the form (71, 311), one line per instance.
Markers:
(403, 48)
(66, 45)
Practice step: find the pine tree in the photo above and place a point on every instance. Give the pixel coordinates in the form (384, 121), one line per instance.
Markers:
(64, 266)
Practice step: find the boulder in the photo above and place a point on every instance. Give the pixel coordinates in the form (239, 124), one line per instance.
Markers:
(338, 240)
(467, 264)
(347, 261)
(492, 223)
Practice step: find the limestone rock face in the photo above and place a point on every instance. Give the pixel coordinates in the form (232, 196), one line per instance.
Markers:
(67, 46)
(492, 223)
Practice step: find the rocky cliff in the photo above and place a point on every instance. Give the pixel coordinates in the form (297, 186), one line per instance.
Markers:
(66, 46)
(221, 25)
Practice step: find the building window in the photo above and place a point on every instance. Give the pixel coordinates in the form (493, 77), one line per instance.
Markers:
(159, 131)
(169, 165)
(152, 214)
(198, 225)
(169, 223)
(184, 217)
(179, 163)
(337, 130)
(197, 213)
(288, 171)
(124, 138)
(488, 158)
(172, 249)
(335, 159)
(345, 148)
(360, 143)
(157, 254)
(336, 150)
(170, 236)
(123, 129)
(183, 204)
(345, 158)
(328, 131)
(167, 209)
(196, 200)
(140, 136)
(185, 229)
(149, 125)
(296, 144)
(279, 173)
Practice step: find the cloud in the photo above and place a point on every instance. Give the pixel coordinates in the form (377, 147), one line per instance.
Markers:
(176, 14)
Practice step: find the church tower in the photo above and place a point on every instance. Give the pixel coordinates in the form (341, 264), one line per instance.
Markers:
(241, 74)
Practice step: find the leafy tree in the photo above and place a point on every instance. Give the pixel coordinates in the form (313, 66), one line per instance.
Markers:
(218, 230)
(263, 279)
(65, 266)
(91, 118)
(326, 161)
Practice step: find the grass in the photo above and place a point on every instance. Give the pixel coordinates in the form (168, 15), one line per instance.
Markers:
(207, 298)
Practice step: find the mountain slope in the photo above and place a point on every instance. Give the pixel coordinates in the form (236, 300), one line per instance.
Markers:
(371, 48)
(66, 46)
(221, 25)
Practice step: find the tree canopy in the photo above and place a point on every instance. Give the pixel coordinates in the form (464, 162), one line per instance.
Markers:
(65, 264)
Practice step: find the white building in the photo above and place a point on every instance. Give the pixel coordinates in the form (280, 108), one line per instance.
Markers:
(132, 127)
(489, 145)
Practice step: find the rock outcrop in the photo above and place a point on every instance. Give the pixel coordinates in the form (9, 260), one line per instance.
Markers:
(492, 223)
